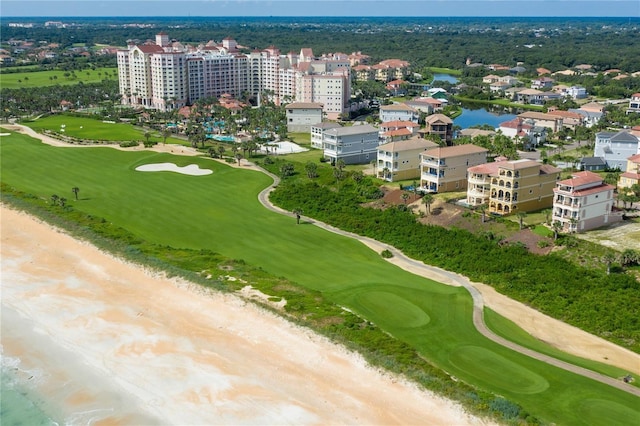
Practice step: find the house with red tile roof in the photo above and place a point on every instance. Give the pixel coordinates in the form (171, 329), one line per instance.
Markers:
(632, 175)
(634, 103)
(584, 202)
(507, 187)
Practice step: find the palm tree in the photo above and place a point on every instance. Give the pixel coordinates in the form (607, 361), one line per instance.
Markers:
(427, 200)
(62, 201)
(238, 157)
(75, 190)
(415, 190)
(405, 197)
(221, 150)
(54, 199)
(385, 173)
(165, 134)
(147, 136)
(482, 208)
(557, 227)
(521, 216)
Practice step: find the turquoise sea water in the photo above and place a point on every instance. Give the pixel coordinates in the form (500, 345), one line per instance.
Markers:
(19, 406)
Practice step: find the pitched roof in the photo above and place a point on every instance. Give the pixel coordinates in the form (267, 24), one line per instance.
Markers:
(397, 107)
(581, 178)
(352, 130)
(408, 145)
(326, 125)
(454, 151)
(398, 132)
(438, 118)
(634, 158)
(398, 123)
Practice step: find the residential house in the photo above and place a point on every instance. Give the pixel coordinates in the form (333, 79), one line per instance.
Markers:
(524, 130)
(512, 186)
(491, 78)
(634, 103)
(441, 125)
(543, 71)
(583, 202)
(529, 96)
(542, 83)
(397, 87)
(499, 86)
(632, 175)
(592, 164)
(472, 133)
(317, 131)
(364, 72)
(423, 105)
(553, 122)
(352, 144)
(593, 107)
(570, 119)
(400, 160)
(302, 115)
(395, 112)
(398, 130)
(576, 92)
(615, 148)
(444, 169)
(589, 118)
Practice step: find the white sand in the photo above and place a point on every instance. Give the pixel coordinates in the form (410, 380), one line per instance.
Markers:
(191, 169)
(115, 344)
(286, 147)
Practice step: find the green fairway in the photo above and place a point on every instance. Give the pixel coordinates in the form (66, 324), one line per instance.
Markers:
(88, 128)
(221, 212)
(51, 78)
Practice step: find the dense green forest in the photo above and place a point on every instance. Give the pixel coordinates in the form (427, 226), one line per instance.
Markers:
(445, 42)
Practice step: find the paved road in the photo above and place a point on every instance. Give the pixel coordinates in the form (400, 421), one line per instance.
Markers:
(478, 303)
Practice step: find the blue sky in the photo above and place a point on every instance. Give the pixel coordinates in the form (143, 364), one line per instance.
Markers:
(547, 8)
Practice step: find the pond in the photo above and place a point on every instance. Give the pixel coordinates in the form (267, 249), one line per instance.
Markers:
(481, 115)
(445, 77)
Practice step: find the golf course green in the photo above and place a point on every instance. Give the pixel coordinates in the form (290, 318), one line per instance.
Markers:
(221, 212)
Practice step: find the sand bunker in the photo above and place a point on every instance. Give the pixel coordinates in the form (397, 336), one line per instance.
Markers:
(191, 169)
(5, 134)
(285, 148)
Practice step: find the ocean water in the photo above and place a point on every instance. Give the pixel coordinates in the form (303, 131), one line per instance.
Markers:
(19, 404)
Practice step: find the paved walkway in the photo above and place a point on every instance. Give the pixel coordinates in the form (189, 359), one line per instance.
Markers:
(415, 266)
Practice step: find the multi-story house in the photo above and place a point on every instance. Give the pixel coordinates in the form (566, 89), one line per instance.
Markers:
(317, 132)
(401, 160)
(632, 175)
(615, 148)
(395, 112)
(634, 103)
(583, 202)
(302, 115)
(512, 186)
(397, 130)
(440, 125)
(570, 119)
(553, 122)
(444, 169)
(525, 131)
(352, 144)
(542, 83)
(576, 92)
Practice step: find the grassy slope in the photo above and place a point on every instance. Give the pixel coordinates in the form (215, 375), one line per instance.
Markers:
(41, 78)
(221, 212)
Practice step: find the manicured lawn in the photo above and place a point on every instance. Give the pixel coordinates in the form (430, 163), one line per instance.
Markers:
(451, 71)
(221, 212)
(51, 78)
(88, 128)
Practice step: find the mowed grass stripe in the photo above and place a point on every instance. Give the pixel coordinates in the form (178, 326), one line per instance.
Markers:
(221, 212)
(53, 77)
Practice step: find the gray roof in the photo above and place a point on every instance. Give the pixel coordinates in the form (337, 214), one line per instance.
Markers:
(351, 130)
(593, 161)
(326, 125)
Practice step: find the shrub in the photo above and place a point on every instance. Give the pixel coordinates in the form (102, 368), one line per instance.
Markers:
(386, 254)
(543, 244)
(129, 144)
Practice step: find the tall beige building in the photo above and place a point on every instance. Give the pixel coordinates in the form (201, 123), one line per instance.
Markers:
(512, 186)
(444, 169)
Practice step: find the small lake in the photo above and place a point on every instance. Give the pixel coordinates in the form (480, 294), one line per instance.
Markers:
(474, 117)
(445, 77)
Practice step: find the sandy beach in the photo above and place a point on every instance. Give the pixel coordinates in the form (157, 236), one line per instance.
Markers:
(112, 344)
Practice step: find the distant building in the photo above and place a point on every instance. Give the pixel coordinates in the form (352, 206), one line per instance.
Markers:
(583, 202)
(400, 160)
(396, 112)
(444, 169)
(302, 115)
(634, 103)
(353, 144)
(440, 125)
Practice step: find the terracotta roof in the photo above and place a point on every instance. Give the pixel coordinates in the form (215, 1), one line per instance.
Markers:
(636, 95)
(517, 164)
(397, 107)
(150, 48)
(454, 151)
(484, 169)
(594, 190)
(549, 169)
(634, 158)
(581, 178)
(538, 115)
(398, 132)
(631, 175)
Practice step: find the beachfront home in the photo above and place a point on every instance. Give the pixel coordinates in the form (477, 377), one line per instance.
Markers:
(583, 202)
(400, 160)
(353, 144)
(512, 186)
(302, 115)
(444, 169)
(317, 131)
(615, 148)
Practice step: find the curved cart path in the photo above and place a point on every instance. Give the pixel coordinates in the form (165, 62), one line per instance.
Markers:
(623, 356)
(420, 268)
